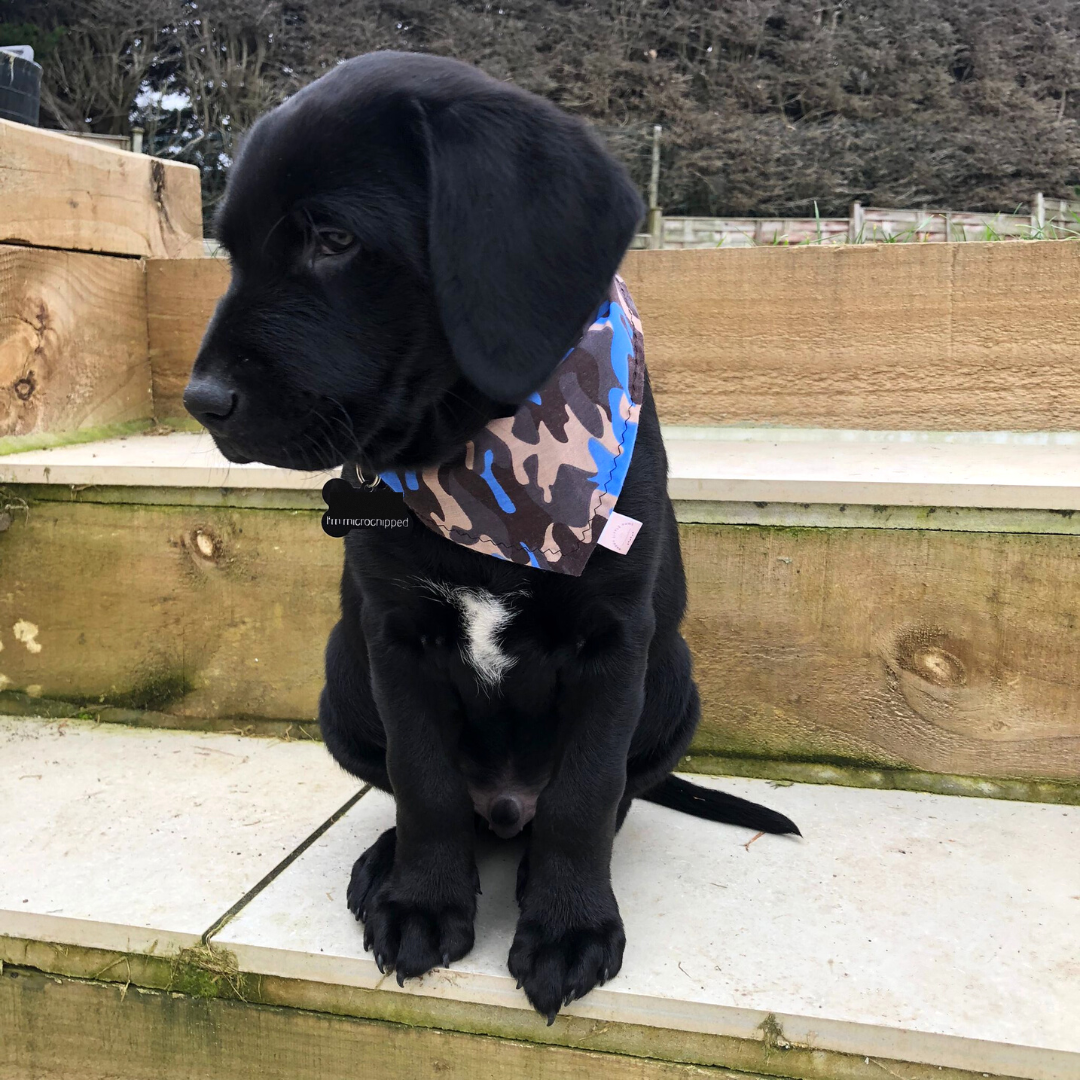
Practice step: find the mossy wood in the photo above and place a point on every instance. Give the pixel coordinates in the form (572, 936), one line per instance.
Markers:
(60, 192)
(946, 652)
(942, 652)
(896, 336)
(196, 611)
(127, 1028)
(71, 1030)
(73, 346)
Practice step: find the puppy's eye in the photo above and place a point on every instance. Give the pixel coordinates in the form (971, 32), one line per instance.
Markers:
(334, 241)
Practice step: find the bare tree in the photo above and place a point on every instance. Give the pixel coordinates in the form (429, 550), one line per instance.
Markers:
(99, 58)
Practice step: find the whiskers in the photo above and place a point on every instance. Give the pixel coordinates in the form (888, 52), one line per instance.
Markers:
(318, 442)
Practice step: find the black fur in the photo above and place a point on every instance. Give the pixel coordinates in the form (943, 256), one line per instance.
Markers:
(488, 226)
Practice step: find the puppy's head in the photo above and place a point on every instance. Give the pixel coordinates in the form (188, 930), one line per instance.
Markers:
(414, 247)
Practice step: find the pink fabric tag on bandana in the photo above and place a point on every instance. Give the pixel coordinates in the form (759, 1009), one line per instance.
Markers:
(619, 532)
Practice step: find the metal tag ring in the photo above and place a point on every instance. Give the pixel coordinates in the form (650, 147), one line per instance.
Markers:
(372, 484)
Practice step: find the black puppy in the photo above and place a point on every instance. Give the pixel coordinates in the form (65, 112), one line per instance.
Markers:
(415, 247)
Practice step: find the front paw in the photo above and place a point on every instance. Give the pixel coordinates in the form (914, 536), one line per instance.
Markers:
(410, 930)
(410, 936)
(556, 964)
(370, 873)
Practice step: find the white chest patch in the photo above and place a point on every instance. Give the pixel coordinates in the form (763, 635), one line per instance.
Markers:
(484, 617)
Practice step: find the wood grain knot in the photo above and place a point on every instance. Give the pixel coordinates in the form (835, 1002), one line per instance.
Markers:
(24, 388)
(931, 655)
(204, 545)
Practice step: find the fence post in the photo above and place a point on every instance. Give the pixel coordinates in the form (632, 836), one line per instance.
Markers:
(1038, 212)
(655, 227)
(855, 224)
(656, 215)
(948, 226)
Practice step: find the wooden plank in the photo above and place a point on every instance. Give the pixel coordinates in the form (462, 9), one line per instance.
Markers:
(778, 1054)
(197, 611)
(71, 1030)
(946, 652)
(60, 192)
(68, 1029)
(73, 346)
(942, 652)
(901, 336)
(180, 297)
(887, 336)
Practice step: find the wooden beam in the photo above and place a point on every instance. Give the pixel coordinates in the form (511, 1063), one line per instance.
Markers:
(180, 296)
(875, 336)
(899, 336)
(73, 346)
(946, 652)
(950, 653)
(197, 611)
(60, 192)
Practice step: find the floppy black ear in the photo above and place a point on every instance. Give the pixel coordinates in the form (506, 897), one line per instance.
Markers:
(529, 219)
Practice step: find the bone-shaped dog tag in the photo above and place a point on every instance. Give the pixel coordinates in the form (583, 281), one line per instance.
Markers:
(351, 508)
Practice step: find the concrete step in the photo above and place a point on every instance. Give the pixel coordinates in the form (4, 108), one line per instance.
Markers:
(988, 470)
(868, 607)
(908, 935)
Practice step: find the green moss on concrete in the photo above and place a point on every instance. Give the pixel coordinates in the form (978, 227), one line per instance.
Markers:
(143, 704)
(19, 444)
(14, 703)
(103, 965)
(845, 774)
(772, 1034)
(131, 495)
(206, 971)
(154, 692)
(180, 423)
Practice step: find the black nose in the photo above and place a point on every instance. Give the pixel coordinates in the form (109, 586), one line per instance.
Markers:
(209, 400)
(505, 812)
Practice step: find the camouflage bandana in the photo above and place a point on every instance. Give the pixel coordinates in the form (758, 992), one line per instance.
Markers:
(536, 488)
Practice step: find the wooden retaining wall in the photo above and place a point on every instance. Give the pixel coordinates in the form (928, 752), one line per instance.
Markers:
(78, 221)
(945, 652)
(916, 336)
(976, 336)
(73, 341)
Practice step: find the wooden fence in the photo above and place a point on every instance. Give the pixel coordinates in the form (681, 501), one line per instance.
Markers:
(1047, 219)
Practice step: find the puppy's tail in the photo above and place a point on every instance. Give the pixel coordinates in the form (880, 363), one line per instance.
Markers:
(678, 794)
